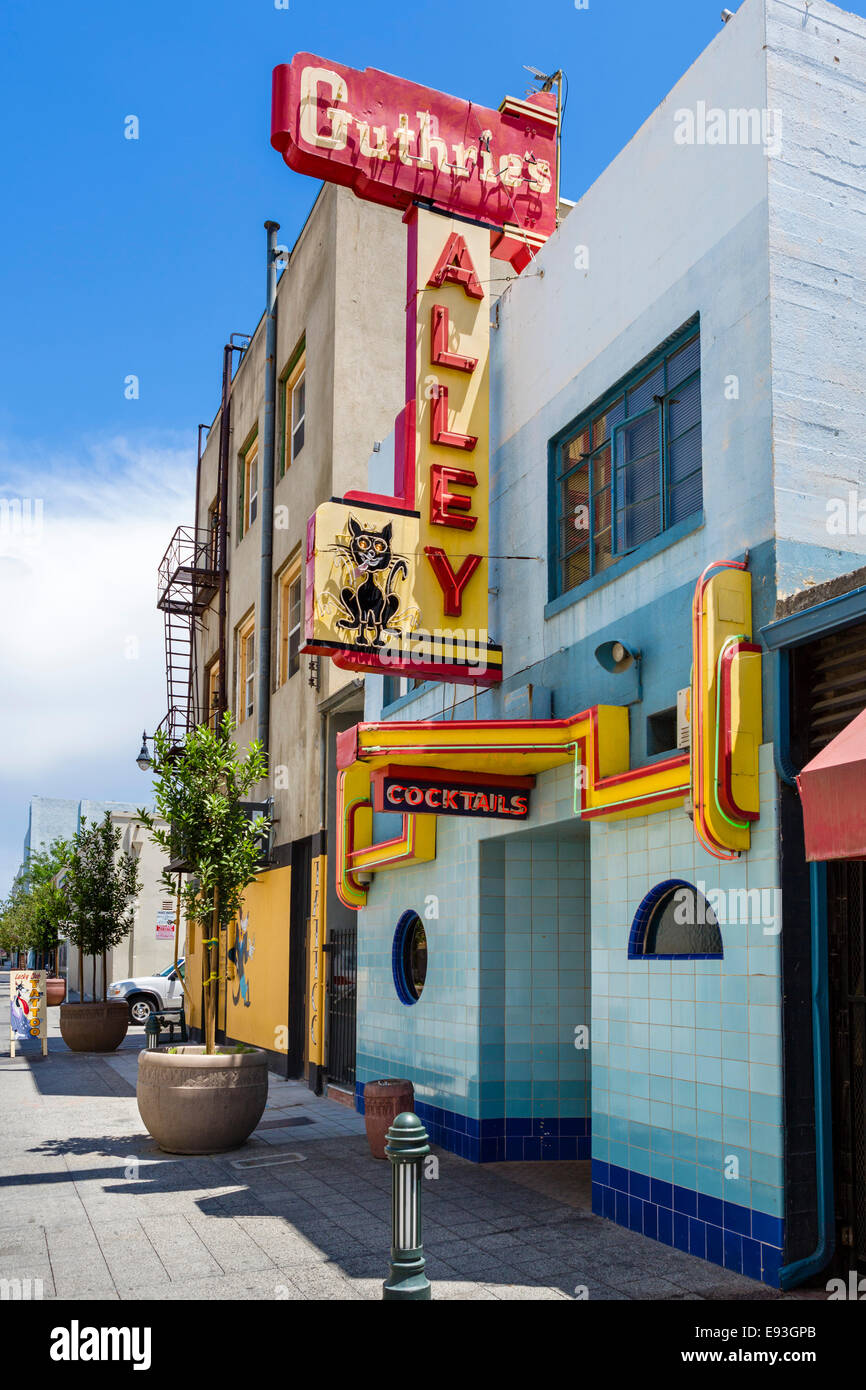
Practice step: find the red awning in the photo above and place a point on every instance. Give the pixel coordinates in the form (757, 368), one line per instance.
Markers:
(833, 792)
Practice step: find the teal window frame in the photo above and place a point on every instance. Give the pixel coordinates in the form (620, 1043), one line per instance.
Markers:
(560, 472)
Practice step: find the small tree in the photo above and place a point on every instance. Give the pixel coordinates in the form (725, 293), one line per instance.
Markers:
(36, 910)
(101, 887)
(15, 921)
(199, 791)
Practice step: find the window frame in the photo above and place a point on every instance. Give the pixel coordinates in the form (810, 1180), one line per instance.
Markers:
(404, 935)
(559, 473)
(294, 373)
(251, 495)
(651, 905)
(251, 443)
(213, 672)
(291, 574)
(213, 541)
(246, 640)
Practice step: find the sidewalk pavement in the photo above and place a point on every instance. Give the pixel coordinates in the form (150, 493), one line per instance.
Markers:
(91, 1207)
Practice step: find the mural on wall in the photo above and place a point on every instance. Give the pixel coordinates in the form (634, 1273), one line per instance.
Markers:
(258, 959)
(240, 954)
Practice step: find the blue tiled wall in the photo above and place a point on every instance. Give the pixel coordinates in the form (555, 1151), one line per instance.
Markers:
(489, 1046)
(535, 993)
(687, 1054)
(749, 1242)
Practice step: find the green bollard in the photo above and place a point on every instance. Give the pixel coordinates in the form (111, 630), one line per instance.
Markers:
(406, 1147)
(151, 1032)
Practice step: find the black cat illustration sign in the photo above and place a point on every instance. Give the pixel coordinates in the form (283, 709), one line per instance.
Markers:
(400, 583)
(362, 602)
(370, 601)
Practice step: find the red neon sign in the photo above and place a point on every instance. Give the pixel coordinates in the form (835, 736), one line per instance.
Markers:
(397, 143)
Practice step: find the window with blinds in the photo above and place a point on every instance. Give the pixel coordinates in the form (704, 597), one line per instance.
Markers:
(630, 468)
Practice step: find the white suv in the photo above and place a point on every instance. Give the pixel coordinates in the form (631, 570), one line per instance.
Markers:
(148, 994)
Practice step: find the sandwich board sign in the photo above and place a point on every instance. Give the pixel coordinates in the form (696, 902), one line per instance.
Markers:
(27, 1008)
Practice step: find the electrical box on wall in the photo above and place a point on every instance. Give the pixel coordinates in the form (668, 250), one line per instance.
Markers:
(684, 718)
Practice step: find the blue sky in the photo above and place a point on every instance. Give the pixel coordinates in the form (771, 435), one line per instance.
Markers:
(140, 257)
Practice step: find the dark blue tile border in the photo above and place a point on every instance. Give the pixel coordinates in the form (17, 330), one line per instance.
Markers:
(735, 1237)
(501, 1139)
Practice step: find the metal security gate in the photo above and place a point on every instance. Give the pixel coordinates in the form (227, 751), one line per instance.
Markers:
(846, 921)
(828, 690)
(342, 953)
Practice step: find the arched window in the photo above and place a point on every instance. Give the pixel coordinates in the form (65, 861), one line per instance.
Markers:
(409, 957)
(673, 922)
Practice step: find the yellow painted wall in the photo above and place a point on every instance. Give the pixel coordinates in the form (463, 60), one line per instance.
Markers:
(257, 1006)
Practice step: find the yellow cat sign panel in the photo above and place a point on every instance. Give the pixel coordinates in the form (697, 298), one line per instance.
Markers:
(399, 583)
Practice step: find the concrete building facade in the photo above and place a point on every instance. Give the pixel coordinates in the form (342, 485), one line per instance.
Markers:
(335, 398)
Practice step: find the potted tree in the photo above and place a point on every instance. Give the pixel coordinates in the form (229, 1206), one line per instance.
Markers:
(198, 1098)
(101, 886)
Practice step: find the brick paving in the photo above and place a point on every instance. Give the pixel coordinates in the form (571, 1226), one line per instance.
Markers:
(89, 1205)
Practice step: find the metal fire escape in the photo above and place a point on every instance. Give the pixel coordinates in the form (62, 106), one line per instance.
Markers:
(188, 581)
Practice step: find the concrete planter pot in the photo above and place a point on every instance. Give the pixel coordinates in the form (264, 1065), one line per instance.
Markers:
(94, 1027)
(55, 990)
(194, 1104)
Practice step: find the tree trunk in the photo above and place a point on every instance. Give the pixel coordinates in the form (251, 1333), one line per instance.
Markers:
(80, 975)
(104, 977)
(211, 959)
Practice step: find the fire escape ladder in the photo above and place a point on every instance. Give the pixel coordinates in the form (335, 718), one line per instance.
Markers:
(188, 581)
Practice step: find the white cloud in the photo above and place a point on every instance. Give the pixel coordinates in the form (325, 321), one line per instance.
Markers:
(82, 640)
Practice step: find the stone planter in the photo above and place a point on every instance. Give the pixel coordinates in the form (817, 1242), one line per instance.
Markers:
(55, 991)
(94, 1027)
(194, 1104)
(383, 1102)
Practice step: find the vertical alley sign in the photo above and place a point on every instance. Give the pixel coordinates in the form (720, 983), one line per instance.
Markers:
(399, 583)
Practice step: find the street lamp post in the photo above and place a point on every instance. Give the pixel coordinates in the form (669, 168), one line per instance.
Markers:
(406, 1147)
(144, 760)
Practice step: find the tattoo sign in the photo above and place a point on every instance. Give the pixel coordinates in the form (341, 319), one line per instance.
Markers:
(27, 1009)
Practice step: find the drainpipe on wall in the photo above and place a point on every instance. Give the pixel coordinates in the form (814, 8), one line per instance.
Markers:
(192, 702)
(267, 491)
(222, 543)
(793, 1274)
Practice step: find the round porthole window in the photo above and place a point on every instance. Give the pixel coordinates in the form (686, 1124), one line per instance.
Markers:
(409, 957)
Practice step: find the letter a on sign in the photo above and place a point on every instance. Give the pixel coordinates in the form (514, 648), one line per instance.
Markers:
(455, 265)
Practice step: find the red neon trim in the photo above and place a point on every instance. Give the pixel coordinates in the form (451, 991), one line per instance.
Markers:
(401, 839)
(726, 787)
(671, 794)
(358, 661)
(666, 765)
(310, 579)
(707, 839)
